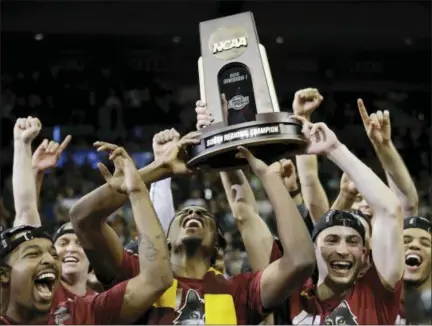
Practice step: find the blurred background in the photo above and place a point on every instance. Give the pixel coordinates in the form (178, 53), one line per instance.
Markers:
(122, 71)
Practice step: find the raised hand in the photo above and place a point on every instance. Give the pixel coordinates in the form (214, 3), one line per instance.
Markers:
(174, 156)
(27, 129)
(47, 155)
(321, 139)
(257, 166)
(117, 178)
(204, 116)
(347, 186)
(377, 124)
(163, 140)
(306, 101)
(126, 178)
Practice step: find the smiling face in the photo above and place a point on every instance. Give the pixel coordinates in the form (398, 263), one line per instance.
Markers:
(35, 272)
(71, 254)
(342, 252)
(417, 255)
(194, 226)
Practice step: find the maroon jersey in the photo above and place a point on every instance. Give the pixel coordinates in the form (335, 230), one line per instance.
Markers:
(244, 288)
(97, 309)
(63, 294)
(368, 302)
(401, 319)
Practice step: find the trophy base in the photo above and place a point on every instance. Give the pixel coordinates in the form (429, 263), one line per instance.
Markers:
(271, 137)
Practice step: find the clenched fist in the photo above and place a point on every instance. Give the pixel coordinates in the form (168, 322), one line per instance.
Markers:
(306, 101)
(27, 129)
(163, 140)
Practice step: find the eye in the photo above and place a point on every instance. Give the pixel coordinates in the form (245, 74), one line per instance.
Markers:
(32, 254)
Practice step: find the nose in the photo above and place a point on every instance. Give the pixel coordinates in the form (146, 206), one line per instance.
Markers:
(342, 248)
(47, 259)
(414, 245)
(71, 247)
(195, 211)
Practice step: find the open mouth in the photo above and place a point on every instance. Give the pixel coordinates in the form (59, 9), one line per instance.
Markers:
(193, 222)
(44, 283)
(341, 265)
(413, 260)
(70, 259)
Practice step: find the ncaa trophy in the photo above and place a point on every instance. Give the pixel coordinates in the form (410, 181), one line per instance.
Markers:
(233, 63)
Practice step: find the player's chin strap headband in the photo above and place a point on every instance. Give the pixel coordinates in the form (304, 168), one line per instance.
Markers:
(417, 222)
(24, 233)
(338, 217)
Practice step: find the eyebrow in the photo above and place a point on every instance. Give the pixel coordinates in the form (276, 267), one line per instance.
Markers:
(36, 247)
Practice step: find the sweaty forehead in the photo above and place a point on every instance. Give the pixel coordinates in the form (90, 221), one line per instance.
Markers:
(35, 244)
(67, 237)
(417, 233)
(340, 231)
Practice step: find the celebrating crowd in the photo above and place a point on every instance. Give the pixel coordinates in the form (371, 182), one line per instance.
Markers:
(364, 260)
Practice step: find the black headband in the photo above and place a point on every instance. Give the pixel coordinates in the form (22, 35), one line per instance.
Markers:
(338, 217)
(417, 222)
(62, 230)
(27, 233)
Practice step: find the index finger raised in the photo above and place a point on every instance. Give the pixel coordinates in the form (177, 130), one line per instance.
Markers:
(362, 109)
(65, 143)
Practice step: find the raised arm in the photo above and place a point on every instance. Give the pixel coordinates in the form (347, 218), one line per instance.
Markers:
(387, 223)
(298, 262)
(347, 194)
(46, 157)
(160, 191)
(155, 275)
(24, 188)
(89, 214)
(314, 196)
(255, 233)
(379, 132)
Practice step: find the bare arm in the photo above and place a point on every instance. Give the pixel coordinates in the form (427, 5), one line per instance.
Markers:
(89, 215)
(347, 194)
(163, 202)
(398, 178)
(155, 275)
(38, 177)
(24, 189)
(344, 201)
(313, 192)
(297, 263)
(378, 129)
(387, 224)
(255, 233)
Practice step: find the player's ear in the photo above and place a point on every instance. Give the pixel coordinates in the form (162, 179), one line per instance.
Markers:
(4, 275)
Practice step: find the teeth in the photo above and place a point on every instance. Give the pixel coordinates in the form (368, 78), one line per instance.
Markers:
(193, 221)
(341, 264)
(70, 260)
(47, 276)
(413, 259)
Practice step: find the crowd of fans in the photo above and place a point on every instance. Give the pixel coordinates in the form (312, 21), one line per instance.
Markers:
(131, 107)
